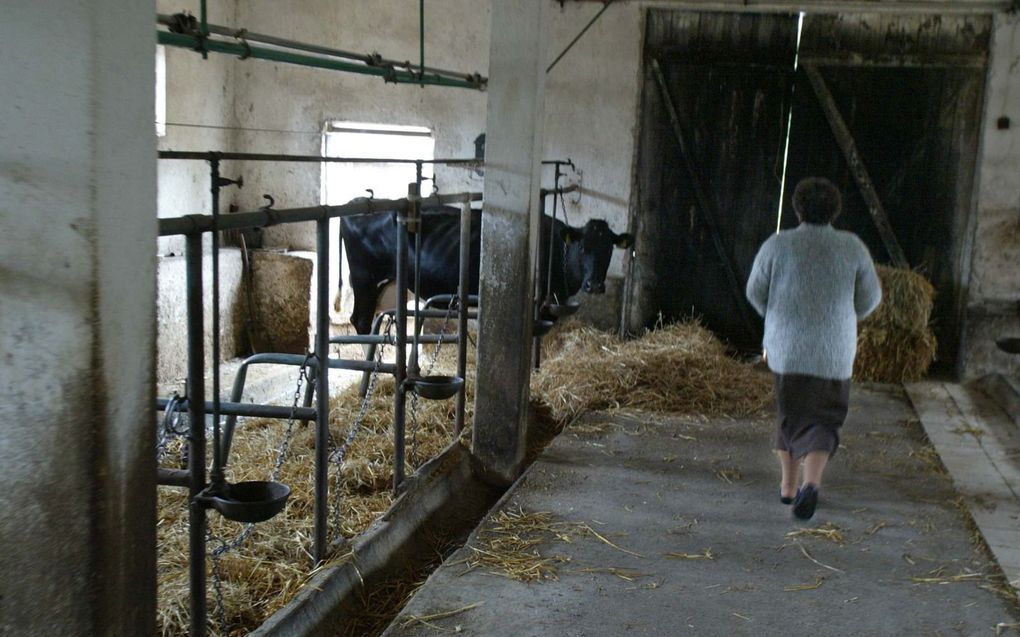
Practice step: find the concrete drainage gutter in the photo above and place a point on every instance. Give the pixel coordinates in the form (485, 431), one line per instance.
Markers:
(446, 496)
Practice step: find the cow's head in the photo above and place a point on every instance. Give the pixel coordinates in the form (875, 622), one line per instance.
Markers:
(592, 245)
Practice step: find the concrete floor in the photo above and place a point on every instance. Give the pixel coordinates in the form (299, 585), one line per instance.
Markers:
(670, 485)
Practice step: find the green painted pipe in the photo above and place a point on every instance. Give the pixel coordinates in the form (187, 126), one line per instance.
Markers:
(246, 50)
(421, 34)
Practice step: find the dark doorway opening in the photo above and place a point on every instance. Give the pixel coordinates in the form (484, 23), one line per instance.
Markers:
(719, 91)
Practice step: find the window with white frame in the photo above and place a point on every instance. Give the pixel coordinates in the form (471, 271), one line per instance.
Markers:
(160, 90)
(342, 182)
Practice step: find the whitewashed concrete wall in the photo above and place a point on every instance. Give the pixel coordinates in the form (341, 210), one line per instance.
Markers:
(199, 116)
(296, 102)
(591, 101)
(77, 192)
(994, 294)
(592, 98)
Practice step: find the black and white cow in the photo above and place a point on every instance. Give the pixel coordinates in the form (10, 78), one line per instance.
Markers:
(579, 261)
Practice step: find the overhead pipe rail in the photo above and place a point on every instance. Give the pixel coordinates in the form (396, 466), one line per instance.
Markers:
(188, 33)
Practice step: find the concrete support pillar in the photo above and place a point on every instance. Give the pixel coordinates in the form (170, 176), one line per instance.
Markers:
(77, 318)
(510, 229)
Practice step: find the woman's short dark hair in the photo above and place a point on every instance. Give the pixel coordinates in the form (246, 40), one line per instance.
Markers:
(817, 200)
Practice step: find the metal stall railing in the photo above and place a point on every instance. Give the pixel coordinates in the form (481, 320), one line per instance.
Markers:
(254, 502)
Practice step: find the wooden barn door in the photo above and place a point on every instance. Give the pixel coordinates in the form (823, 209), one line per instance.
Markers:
(713, 131)
(909, 90)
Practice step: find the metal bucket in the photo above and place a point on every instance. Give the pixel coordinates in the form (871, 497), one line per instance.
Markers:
(435, 387)
(251, 501)
(559, 310)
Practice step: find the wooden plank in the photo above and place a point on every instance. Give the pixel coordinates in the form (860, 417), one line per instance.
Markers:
(704, 203)
(897, 7)
(896, 60)
(856, 165)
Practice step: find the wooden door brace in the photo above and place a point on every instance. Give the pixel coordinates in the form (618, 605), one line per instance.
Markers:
(856, 164)
(704, 204)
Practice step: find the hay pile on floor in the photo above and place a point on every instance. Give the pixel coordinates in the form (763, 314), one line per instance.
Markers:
(271, 566)
(896, 343)
(679, 368)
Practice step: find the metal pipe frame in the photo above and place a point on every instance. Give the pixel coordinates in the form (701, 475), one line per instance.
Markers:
(321, 539)
(196, 438)
(217, 476)
(194, 478)
(189, 224)
(296, 360)
(463, 301)
(244, 50)
(370, 59)
(374, 339)
(307, 159)
(247, 410)
(173, 477)
(400, 393)
(382, 339)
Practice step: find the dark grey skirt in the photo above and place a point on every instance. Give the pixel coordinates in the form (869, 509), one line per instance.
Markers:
(810, 412)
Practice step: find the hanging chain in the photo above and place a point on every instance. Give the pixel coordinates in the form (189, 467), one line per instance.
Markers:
(227, 546)
(428, 370)
(171, 427)
(338, 454)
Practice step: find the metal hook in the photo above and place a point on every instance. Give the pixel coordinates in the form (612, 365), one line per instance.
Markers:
(247, 48)
(371, 193)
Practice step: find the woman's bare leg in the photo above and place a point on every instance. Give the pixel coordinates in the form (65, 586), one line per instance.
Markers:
(788, 486)
(814, 465)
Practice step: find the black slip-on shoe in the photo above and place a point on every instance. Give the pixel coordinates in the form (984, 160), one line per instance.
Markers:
(805, 502)
(786, 500)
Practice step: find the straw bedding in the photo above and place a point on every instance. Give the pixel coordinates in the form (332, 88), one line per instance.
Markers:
(677, 368)
(896, 343)
(272, 564)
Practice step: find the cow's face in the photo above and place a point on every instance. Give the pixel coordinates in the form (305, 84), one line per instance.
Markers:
(596, 242)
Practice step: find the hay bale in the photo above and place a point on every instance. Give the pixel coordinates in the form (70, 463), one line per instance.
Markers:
(281, 285)
(896, 344)
(907, 299)
(676, 368)
(893, 354)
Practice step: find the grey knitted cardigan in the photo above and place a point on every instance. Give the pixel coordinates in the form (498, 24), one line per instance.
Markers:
(812, 284)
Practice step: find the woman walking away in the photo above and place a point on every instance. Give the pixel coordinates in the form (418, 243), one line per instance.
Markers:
(812, 284)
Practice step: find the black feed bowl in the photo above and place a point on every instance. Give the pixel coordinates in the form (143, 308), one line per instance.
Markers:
(561, 310)
(435, 387)
(541, 327)
(1010, 344)
(251, 501)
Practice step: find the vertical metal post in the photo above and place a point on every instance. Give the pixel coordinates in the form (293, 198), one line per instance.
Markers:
(421, 41)
(203, 26)
(217, 476)
(462, 307)
(552, 236)
(322, 387)
(399, 395)
(539, 297)
(416, 228)
(196, 441)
